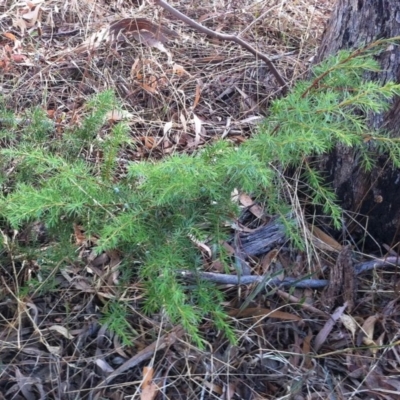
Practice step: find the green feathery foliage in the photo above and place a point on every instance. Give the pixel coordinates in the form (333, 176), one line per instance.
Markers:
(155, 214)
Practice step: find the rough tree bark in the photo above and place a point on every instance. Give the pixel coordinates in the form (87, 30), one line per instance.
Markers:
(375, 196)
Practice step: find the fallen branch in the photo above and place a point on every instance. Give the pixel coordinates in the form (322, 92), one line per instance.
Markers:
(222, 36)
(377, 263)
(226, 279)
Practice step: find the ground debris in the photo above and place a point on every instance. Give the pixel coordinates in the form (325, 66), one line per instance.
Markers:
(54, 341)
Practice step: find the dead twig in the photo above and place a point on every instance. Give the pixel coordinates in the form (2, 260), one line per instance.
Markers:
(226, 279)
(223, 36)
(163, 342)
(377, 263)
(303, 305)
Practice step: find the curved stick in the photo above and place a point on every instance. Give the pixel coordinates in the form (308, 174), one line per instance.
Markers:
(222, 36)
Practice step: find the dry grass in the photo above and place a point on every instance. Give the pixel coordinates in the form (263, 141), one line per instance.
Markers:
(228, 86)
(52, 344)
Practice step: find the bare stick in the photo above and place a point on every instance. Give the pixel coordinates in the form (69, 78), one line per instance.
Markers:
(163, 342)
(303, 305)
(226, 279)
(222, 36)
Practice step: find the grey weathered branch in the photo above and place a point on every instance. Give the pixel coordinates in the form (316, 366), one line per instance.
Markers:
(377, 263)
(222, 36)
(226, 279)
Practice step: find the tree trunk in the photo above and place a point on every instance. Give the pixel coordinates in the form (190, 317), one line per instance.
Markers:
(374, 197)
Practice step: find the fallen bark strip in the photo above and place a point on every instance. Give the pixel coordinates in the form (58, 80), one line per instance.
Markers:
(263, 239)
(226, 279)
(222, 36)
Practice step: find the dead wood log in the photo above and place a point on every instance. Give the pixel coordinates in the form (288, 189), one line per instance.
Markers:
(263, 240)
